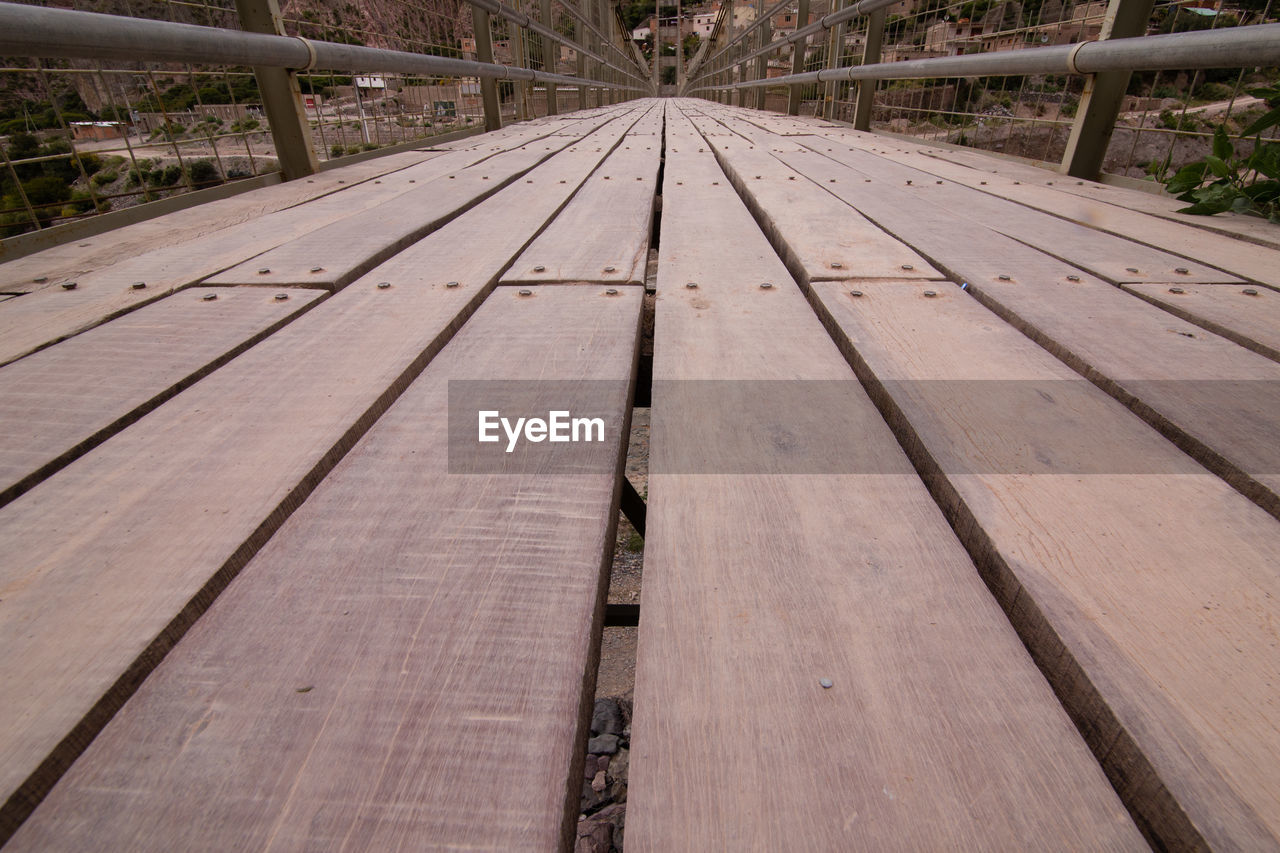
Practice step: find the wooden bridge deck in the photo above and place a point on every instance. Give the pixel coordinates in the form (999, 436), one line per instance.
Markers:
(963, 520)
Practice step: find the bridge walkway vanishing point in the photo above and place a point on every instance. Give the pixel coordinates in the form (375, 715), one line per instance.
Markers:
(963, 518)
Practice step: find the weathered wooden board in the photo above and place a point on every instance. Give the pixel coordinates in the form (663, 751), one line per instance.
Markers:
(74, 260)
(1147, 588)
(407, 663)
(1215, 399)
(650, 124)
(1259, 263)
(1105, 255)
(937, 730)
(814, 230)
(1228, 224)
(96, 583)
(603, 233)
(339, 253)
(61, 402)
(1250, 316)
(49, 315)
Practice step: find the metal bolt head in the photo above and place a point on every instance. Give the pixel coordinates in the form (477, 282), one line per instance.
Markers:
(826, 683)
(610, 269)
(1176, 290)
(855, 293)
(908, 267)
(539, 268)
(692, 285)
(40, 279)
(526, 293)
(383, 285)
(1131, 269)
(209, 297)
(281, 297)
(1073, 278)
(317, 269)
(1004, 278)
(937, 182)
(450, 284)
(68, 285)
(930, 293)
(139, 285)
(263, 270)
(1181, 270)
(836, 265)
(1249, 291)
(982, 183)
(611, 292)
(766, 285)
(908, 183)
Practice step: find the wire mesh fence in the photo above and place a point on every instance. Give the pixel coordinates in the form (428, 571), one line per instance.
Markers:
(1166, 120)
(83, 137)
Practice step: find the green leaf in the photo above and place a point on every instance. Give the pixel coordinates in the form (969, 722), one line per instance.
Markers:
(1222, 147)
(1265, 161)
(1188, 178)
(1269, 120)
(1263, 191)
(1218, 166)
(1212, 199)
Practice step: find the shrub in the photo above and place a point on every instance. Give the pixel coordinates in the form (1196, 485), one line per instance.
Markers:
(103, 178)
(203, 173)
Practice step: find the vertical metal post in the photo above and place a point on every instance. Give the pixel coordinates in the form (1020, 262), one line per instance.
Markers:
(835, 45)
(484, 53)
(521, 88)
(762, 62)
(679, 46)
(870, 56)
(550, 56)
(581, 38)
(281, 97)
(798, 50)
(1103, 94)
(742, 73)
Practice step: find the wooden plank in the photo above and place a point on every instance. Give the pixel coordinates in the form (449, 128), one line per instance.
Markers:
(422, 680)
(1258, 263)
(814, 230)
(1145, 586)
(1237, 226)
(352, 246)
(75, 260)
(937, 730)
(603, 233)
(97, 587)
(65, 400)
(1250, 316)
(1211, 397)
(50, 315)
(1105, 255)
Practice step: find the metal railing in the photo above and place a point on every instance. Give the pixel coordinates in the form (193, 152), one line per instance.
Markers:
(1123, 86)
(110, 110)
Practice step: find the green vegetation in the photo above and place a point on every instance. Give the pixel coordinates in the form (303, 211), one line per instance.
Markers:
(1225, 181)
(47, 184)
